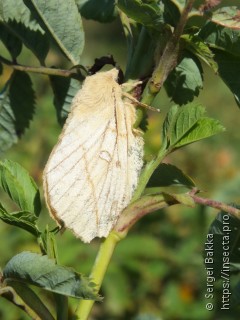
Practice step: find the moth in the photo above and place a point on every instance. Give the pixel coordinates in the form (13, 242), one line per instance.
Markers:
(94, 168)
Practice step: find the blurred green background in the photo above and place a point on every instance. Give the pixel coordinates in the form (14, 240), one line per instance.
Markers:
(158, 269)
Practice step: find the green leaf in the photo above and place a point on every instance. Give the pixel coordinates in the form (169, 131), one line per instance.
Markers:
(168, 175)
(11, 295)
(30, 299)
(202, 129)
(64, 90)
(11, 42)
(169, 122)
(20, 187)
(229, 71)
(38, 270)
(21, 23)
(196, 46)
(221, 38)
(187, 124)
(11, 10)
(185, 81)
(148, 14)
(171, 12)
(34, 40)
(98, 10)
(180, 4)
(227, 16)
(22, 219)
(68, 34)
(17, 102)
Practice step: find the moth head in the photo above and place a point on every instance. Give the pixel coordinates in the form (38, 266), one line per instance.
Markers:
(111, 74)
(101, 81)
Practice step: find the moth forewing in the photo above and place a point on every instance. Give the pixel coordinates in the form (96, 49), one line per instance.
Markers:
(93, 170)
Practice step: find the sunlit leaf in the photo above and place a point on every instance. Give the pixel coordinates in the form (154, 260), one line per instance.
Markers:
(38, 270)
(203, 128)
(186, 124)
(20, 187)
(68, 34)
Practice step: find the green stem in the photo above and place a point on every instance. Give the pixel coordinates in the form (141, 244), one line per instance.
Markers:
(147, 173)
(42, 70)
(171, 53)
(98, 271)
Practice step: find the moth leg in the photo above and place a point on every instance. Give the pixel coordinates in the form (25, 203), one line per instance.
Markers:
(144, 105)
(131, 84)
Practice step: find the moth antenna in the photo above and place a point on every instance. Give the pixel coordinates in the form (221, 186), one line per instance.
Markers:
(144, 105)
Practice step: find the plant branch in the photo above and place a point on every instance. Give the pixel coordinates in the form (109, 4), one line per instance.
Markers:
(74, 73)
(214, 204)
(169, 58)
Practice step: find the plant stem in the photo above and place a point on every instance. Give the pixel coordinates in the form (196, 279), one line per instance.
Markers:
(147, 173)
(98, 271)
(170, 56)
(216, 204)
(43, 70)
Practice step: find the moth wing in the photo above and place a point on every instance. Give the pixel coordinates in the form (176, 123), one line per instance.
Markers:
(93, 170)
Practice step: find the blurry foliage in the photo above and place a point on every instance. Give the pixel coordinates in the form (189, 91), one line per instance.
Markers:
(159, 266)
